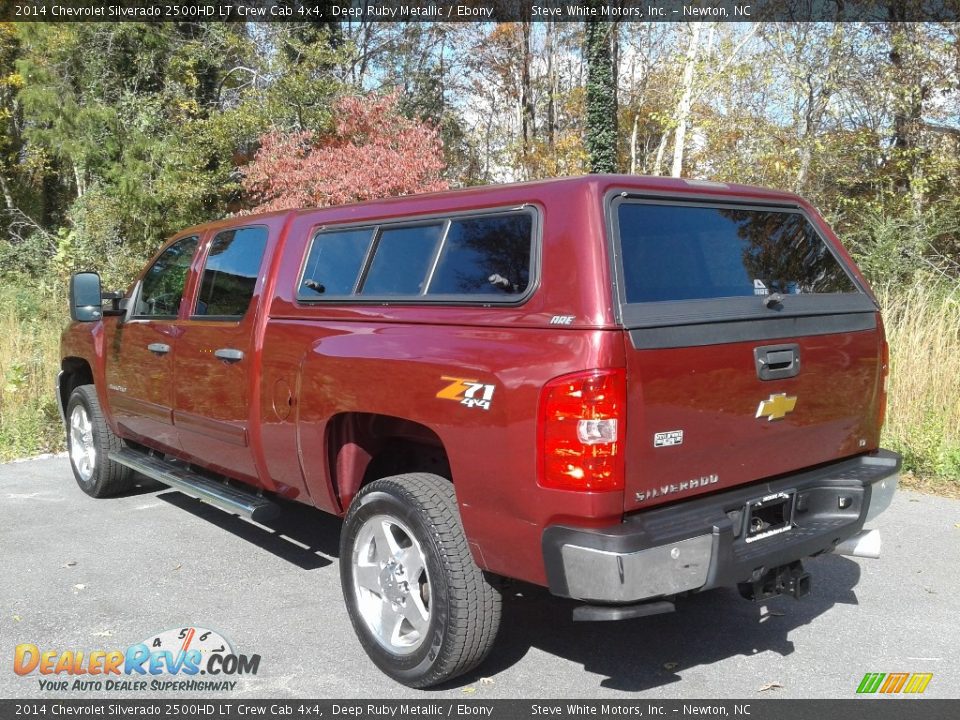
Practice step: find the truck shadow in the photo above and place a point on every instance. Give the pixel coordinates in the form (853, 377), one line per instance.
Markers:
(631, 655)
(645, 653)
(301, 535)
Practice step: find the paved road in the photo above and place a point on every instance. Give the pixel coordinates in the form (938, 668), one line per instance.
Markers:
(77, 573)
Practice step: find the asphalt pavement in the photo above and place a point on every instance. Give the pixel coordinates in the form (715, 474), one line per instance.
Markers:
(84, 574)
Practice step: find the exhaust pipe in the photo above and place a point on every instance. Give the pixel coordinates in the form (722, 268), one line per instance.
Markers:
(865, 544)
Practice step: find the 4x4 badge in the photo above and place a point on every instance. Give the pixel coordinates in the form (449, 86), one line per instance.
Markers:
(467, 392)
(776, 406)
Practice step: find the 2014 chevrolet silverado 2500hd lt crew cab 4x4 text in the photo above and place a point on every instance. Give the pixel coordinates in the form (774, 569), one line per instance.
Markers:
(624, 389)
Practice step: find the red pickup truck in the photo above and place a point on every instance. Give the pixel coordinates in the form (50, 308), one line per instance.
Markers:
(624, 389)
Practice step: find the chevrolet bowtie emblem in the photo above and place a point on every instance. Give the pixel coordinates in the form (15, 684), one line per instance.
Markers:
(776, 406)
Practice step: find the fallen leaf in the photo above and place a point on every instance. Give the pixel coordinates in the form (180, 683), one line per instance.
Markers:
(956, 525)
(775, 613)
(17, 618)
(69, 564)
(78, 587)
(770, 686)
(179, 565)
(103, 633)
(469, 690)
(486, 681)
(671, 666)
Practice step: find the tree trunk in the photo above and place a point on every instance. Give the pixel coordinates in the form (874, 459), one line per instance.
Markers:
(7, 195)
(909, 94)
(661, 151)
(818, 99)
(683, 108)
(81, 185)
(551, 86)
(528, 118)
(601, 122)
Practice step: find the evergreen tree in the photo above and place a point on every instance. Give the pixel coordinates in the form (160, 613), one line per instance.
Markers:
(601, 110)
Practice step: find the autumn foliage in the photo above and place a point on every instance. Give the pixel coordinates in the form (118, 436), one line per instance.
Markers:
(373, 152)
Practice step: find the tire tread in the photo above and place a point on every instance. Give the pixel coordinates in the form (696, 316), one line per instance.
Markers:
(475, 604)
(110, 478)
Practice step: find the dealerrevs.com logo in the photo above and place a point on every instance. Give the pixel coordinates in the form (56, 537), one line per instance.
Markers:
(172, 660)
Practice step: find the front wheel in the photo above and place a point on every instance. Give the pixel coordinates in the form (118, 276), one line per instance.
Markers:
(89, 443)
(422, 609)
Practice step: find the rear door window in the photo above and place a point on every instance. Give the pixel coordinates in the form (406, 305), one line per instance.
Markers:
(689, 252)
(231, 272)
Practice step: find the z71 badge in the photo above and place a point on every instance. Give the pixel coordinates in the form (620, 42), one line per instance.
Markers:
(467, 392)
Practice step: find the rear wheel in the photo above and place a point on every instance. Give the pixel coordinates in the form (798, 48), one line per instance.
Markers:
(422, 609)
(89, 443)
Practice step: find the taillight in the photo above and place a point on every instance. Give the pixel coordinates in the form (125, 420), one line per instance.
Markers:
(581, 431)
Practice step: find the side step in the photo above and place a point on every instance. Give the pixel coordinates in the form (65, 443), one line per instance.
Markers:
(232, 500)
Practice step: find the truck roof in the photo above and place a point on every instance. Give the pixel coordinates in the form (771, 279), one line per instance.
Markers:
(599, 183)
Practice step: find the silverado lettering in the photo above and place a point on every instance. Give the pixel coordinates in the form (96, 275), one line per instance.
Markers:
(471, 380)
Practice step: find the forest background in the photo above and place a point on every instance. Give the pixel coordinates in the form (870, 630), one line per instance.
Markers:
(114, 136)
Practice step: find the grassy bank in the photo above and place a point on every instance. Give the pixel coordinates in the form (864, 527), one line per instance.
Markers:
(30, 323)
(923, 412)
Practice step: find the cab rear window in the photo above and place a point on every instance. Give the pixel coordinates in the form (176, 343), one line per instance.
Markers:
(692, 252)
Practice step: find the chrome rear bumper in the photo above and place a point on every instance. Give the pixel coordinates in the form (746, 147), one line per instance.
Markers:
(701, 544)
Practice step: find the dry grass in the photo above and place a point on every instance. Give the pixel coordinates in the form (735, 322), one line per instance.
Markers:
(30, 324)
(923, 410)
(940, 486)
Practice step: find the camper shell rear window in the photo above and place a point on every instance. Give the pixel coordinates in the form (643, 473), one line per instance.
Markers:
(680, 262)
(692, 252)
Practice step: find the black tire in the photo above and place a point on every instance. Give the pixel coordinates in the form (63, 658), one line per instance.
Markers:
(97, 476)
(464, 607)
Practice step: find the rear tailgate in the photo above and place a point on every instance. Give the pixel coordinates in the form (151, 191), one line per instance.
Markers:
(751, 349)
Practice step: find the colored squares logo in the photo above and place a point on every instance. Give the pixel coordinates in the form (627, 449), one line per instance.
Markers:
(894, 683)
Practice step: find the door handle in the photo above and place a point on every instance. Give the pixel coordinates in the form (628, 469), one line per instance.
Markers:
(230, 355)
(776, 362)
(158, 348)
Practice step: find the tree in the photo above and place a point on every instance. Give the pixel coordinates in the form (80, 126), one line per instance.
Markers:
(683, 107)
(373, 152)
(601, 110)
(11, 141)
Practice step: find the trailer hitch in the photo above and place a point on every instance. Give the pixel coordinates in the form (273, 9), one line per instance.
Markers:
(784, 580)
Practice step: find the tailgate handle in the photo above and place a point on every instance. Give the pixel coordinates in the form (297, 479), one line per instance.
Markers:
(775, 362)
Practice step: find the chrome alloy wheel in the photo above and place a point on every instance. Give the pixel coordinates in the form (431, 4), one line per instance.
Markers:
(391, 584)
(83, 451)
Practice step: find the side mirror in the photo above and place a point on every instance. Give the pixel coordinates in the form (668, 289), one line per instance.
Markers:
(85, 297)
